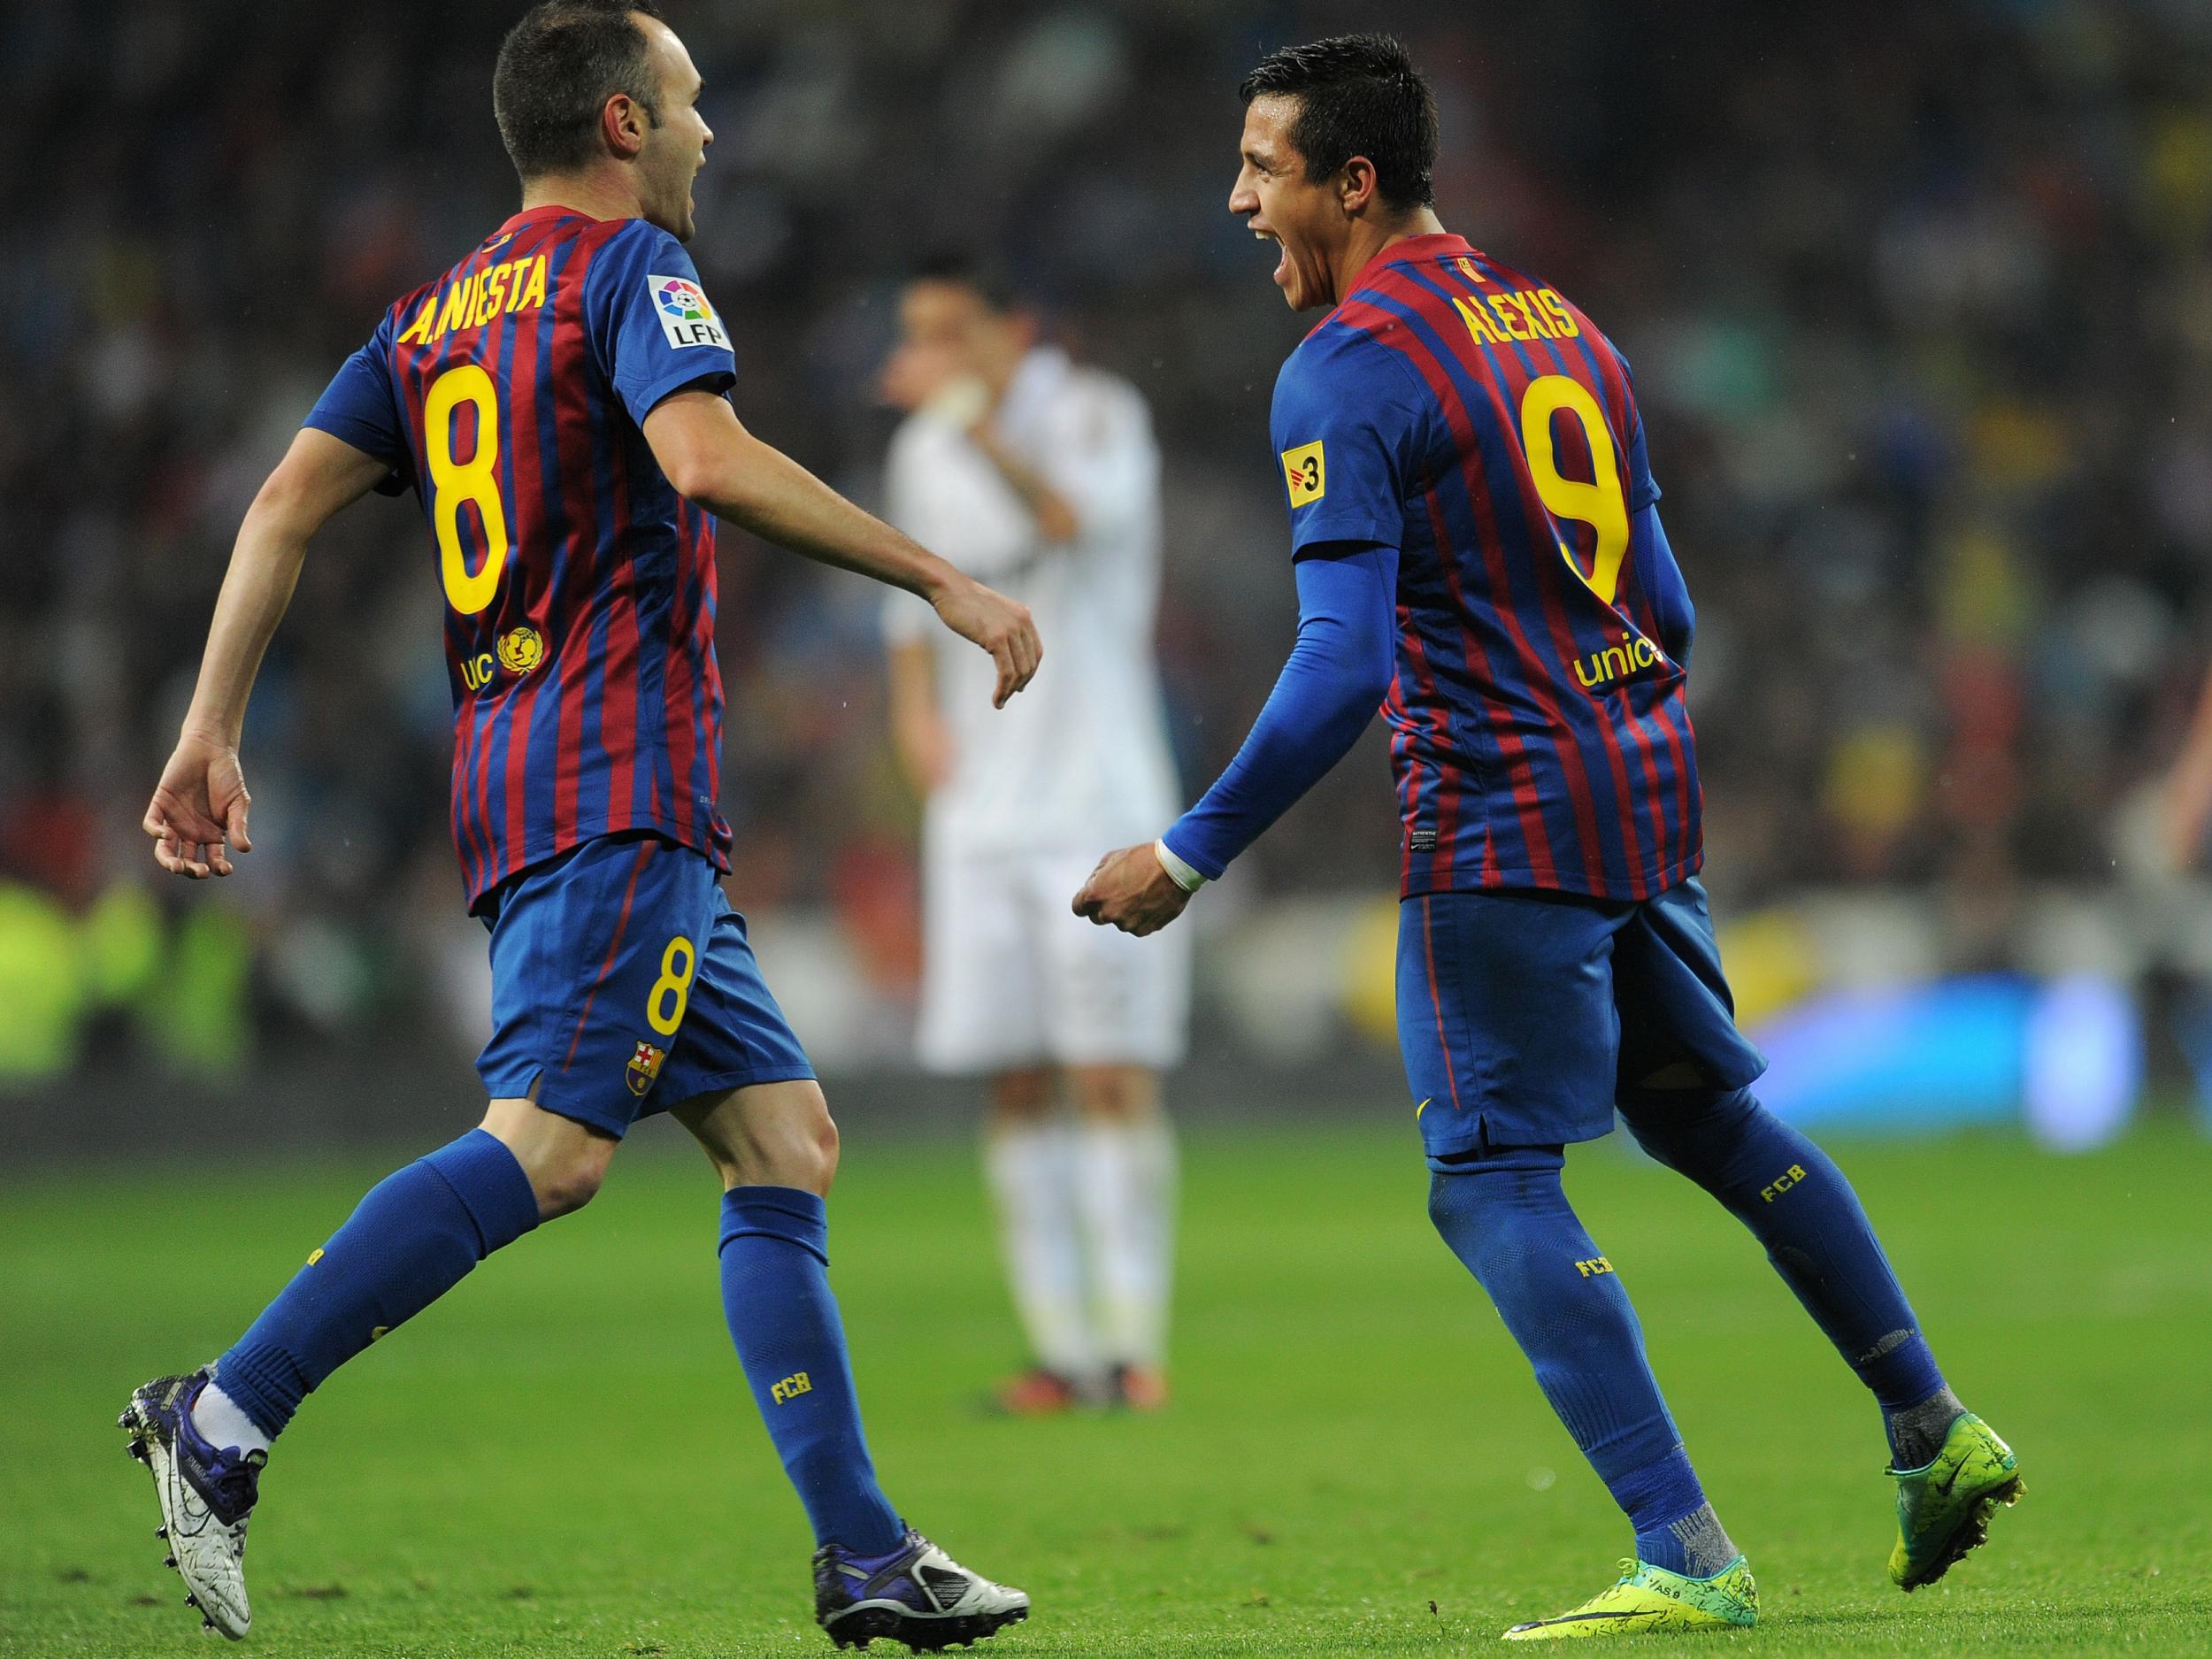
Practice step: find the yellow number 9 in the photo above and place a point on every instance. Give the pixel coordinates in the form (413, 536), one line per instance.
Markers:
(675, 982)
(1599, 505)
(475, 480)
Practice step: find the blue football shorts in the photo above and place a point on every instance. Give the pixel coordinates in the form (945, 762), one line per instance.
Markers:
(622, 985)
(1522, 1015)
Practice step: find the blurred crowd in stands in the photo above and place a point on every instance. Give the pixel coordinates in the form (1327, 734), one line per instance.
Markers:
(1919, 298)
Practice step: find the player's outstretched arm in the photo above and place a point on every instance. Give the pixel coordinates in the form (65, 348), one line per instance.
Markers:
(198, 812)
(1338, 674)
(711, 459)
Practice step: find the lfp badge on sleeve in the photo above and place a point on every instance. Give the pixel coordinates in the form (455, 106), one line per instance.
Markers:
(687, 318)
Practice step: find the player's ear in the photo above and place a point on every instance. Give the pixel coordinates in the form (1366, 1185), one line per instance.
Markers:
(622, 124)
(1355, 185)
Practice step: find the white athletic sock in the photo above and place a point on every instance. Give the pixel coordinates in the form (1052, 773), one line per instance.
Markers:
(1126, 1184)
(221, 1423)
(1031, 1168)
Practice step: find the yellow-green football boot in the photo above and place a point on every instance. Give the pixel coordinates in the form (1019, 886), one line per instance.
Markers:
(1943, 1508)
(1651, 1598)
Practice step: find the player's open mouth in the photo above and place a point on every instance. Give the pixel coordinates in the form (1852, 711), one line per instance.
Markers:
(1282, 264)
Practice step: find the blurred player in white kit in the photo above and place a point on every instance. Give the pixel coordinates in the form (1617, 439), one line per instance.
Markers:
(1041, 477)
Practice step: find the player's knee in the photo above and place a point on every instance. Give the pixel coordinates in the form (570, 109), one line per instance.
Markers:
(566, 1184)
(795, 1148)
(1119, 1093)
(1464, 1205)
(1449, 1198)
(565, 1161)
(774, 1134)
(1700, 1132)
(1494, 1206)
(822, 1150)
(1022, 1096)
(1463, 1209)
(805, 1156)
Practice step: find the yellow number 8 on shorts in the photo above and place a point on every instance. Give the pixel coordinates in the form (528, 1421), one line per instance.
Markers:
(672, 992)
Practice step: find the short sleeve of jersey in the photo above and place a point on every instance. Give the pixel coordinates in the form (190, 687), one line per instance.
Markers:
(1346, 433)
(652, 326)
(358, 408)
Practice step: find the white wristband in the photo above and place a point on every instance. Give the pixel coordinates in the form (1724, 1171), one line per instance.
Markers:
(1180, 874)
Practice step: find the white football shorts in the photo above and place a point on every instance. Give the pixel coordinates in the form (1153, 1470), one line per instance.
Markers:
(1013, 976)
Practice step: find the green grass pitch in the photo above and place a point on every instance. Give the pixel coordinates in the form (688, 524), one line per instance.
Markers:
(562, 1458)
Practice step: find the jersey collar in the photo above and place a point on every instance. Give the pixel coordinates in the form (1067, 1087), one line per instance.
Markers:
(1436, 245)
(544, 215)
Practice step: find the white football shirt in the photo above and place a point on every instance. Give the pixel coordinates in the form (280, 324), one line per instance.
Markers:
(1080, 759)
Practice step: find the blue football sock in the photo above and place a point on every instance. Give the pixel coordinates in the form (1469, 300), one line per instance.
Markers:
(775, 1289)
(1506, 1218)
(1789, 1193)
(413, 1238)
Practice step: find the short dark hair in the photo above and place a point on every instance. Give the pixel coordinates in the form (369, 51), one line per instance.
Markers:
(984, 278)
(1358, 95)
(557, 68)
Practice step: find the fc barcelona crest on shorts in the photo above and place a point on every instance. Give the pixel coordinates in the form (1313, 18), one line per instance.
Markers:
(645, 1067)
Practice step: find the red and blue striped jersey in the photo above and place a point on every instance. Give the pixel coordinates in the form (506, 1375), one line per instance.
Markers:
(1472, 417)
(579, 587)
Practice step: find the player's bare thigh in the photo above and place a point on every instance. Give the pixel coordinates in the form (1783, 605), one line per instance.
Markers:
(565, 1161)
(770, 1135)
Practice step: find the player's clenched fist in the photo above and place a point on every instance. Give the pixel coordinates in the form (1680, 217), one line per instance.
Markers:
(199, 810)
(1132, 890)
(999, 627)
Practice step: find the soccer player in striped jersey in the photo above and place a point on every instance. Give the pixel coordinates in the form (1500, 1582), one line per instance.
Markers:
(557, 402)
(1478, 550)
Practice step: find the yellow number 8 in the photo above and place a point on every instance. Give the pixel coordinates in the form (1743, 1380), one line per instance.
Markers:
(675, 982)
(1599, 505)
(475, 480)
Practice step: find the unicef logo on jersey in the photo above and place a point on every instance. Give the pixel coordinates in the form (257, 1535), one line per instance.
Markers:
(687, 318)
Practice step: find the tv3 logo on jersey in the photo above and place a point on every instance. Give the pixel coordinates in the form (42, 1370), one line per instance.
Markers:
(687, 318)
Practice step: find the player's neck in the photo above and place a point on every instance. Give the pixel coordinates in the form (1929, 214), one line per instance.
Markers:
(1371, 240)
(590, 193)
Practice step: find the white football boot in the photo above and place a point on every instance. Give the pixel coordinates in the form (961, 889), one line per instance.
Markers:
(206, 1494)
(916, 1594)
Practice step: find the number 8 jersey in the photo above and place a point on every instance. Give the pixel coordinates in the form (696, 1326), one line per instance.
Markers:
(579, 587)
(1474, 419)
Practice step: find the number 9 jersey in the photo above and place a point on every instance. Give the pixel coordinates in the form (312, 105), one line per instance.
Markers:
(579, 587)
(1472, 418)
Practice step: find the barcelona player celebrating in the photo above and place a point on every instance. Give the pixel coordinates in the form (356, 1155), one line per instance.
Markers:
(1477, 550)
(556, 401)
